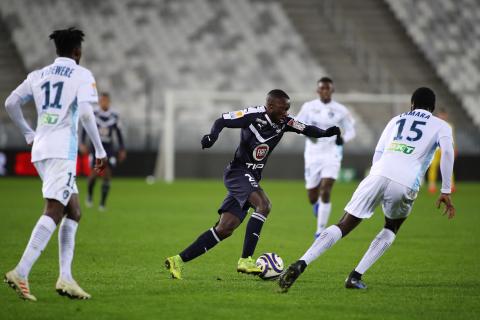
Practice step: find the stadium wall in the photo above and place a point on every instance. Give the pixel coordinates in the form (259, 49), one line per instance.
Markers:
(210, 165)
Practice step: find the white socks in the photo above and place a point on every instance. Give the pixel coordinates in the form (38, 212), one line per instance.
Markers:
(377, 248)
(38, 241)
(66, 246)
(323, 214)
(325, 241)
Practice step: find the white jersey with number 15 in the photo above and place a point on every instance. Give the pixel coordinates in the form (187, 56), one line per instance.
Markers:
(407, 144)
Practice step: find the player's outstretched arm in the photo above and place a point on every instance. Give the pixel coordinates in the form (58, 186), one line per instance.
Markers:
(225, 121)
(315, 132)
(13, 106)
(293, 125)
(88, 121)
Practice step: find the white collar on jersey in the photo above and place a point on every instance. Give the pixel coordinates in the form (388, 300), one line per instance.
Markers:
(65, 60)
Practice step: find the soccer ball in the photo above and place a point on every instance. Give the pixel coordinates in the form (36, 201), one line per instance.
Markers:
(271, 265)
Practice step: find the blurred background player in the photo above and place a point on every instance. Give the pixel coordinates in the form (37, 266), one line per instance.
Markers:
(108, 125)
(63, 92)
(262, 128)
(323, 156)
(435, 166)
(403, 154)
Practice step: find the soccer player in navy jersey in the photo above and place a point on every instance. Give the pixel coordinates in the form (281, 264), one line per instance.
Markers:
(262, 129)
(108, 123)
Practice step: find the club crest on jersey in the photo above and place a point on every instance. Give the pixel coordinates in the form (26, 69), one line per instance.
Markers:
(296, 124)
(260, 152)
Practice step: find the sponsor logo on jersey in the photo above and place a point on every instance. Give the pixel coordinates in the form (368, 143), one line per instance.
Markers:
(260, 152)
(233, 115)
(400, 147)
(296, 124)
(49, 118)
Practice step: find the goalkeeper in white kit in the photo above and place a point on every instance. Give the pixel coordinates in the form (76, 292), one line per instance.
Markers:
(403, 154)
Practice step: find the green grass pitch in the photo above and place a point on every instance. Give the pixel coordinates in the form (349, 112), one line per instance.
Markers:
(430, 272)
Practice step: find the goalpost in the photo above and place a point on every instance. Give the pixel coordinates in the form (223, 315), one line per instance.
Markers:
(188, 115)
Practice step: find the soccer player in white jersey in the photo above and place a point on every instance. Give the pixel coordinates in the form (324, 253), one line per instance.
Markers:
(63, 92)
(403, 154)
(324, 156)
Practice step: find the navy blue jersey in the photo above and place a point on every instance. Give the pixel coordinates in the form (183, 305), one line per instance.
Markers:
(259, 136)
(108, 125)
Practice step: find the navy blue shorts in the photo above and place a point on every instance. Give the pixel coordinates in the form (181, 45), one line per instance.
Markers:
(240, 184)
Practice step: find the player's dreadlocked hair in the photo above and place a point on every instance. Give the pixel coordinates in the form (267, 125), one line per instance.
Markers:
(67, 40)
(423, 98)
(277, 93)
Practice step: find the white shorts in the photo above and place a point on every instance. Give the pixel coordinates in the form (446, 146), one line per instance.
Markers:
(397, 199)
(58, 177)
(316, 171)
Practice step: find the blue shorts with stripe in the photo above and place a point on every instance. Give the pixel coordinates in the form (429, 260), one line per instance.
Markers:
(240, 183)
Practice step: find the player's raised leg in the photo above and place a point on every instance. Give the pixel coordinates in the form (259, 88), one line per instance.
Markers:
(379, 245)
(66, 285)
(325, 241)
(262, 205)
(43, 230)
(223, 229)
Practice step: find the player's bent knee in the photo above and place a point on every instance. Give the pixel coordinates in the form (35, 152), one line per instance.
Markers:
(394, 227)
(224, 231)
(76, 215)
(264, 208)
(325, 196)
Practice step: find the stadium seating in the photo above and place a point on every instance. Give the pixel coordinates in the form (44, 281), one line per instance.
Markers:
(447, 31)
(198, 45)
(139, 45)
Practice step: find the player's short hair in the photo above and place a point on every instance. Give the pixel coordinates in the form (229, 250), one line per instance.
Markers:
(278, 94)
(423, 98)
(105, 94)
(325, 79)
(66, 40)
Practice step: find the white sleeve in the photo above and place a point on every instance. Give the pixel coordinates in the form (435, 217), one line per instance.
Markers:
(87, 91)
(381, 143)
(87, 117)
(302, 116)
(347, 125)
(376, 156)
(13, 105)
(445, 142)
